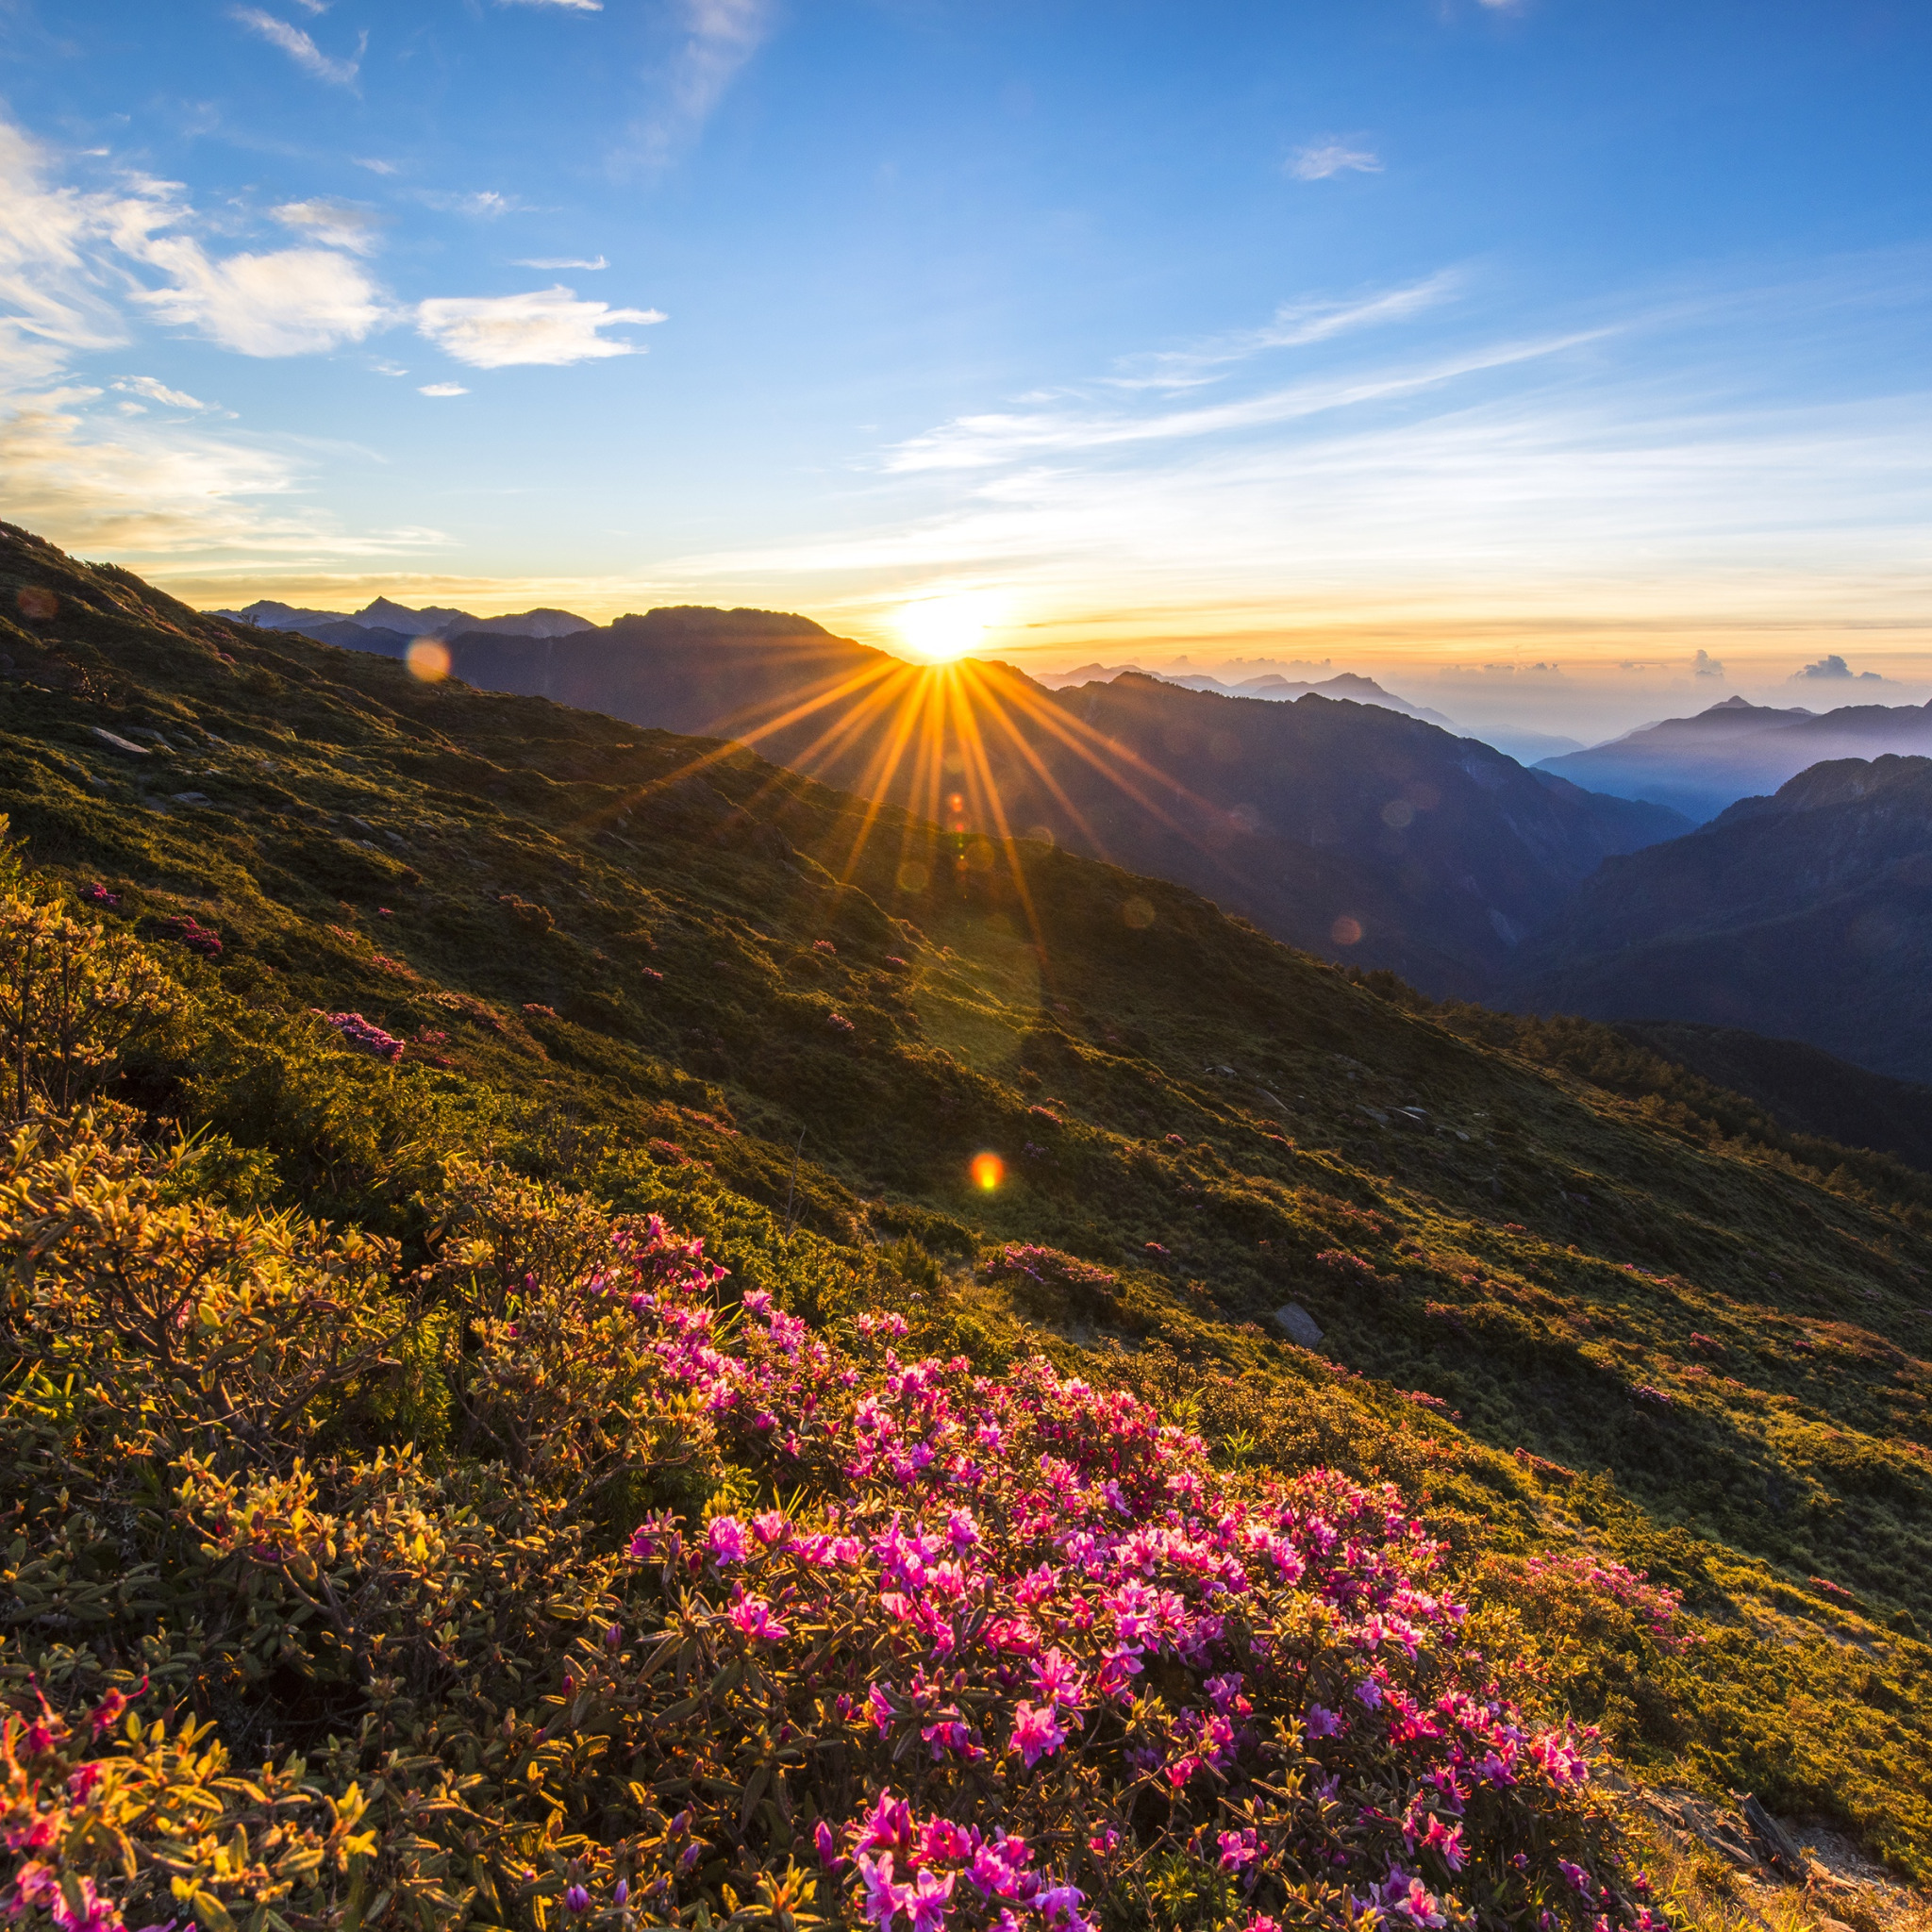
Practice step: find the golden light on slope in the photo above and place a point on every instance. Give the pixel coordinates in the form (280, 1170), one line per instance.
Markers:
(940, 629)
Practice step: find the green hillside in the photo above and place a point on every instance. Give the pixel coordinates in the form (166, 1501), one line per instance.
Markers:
(1590, 1317)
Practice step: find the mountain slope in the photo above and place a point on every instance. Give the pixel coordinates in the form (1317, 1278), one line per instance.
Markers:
(672, 977)
(1735, 750)
(1804, 916)
(1805, 1088)
(1338, 825)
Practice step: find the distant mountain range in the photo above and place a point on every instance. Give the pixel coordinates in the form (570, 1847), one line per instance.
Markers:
(1807, 915)
(1346, 684)
(1345, 827)
(390, 628)
(1736, 750)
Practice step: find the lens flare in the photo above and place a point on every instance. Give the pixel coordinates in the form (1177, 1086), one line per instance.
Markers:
(427, 660)
(988, 1170)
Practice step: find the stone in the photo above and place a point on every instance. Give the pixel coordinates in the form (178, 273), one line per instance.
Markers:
(1301, 1326)
(114, 741)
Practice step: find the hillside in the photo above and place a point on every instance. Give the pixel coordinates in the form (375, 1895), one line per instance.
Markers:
(1802, 916)
(472, 973)
(1335, 824)
(1737, 750)
(1804, 1089)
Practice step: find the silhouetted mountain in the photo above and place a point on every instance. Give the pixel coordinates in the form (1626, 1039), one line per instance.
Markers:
(1737, 750)
(384, 620)
(1346, 684)
(1801, 1087)
(1804, 916)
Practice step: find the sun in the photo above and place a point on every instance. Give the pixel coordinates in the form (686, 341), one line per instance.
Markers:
(943, 628)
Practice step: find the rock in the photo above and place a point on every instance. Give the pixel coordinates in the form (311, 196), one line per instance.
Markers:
(1301, 1326)
(114, 741)
(192, 798)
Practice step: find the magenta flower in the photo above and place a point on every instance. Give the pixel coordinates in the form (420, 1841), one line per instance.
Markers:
(882, 1897)
(1036, 1733)
(753, 1615)
(730, 1542)
(928, 1900)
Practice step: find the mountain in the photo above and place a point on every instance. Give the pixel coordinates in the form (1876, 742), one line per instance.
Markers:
(448, 979)
(1807, 915)
(1737, 750)
(1346, 684)
(1340, 825)
(383, 621)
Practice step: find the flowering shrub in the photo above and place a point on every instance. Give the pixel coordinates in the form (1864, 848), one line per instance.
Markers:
(838, 1023)
(97, 894)
(1657, 1607)
(365, 1035)
(687, 1611)
(193, 934)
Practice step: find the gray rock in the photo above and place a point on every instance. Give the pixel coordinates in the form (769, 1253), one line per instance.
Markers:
(114, 741)
(1301, 1326)
(192, 798)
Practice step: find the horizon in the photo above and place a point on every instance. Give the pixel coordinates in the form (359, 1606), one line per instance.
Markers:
(1495, 352)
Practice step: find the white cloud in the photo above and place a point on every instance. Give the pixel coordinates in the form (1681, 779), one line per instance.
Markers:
(972, 442)
(1322, 161)
(375, 167)
(561, 262)
(290, 302)
(334, 223)
(720, 36)
(1833, 670)
(568, 5)
(442, 388)
(300, 48)
(485, 203)
(549, 325)
(100, 485)
(158, 391)
(1705, 665)
(1294, 325)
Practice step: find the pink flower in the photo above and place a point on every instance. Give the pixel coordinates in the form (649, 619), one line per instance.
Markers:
(929, 1899)
(730, 1542)
(754, 1617)
(1238, 1849)
(1036, 1735)
(882, 1897)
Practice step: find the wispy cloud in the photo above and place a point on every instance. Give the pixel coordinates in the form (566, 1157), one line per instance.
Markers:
(484, 204)
(717, 38)
(110, 486)
(556, 261)
(1322, 161)
(301, 48)
(1294, 326)
(972, 443)
(442, 388)
(548, 325)
(156, 391)
(563, 6)
(334, 222)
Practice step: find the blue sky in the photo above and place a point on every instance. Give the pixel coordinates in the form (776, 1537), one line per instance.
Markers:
(1442, 339)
